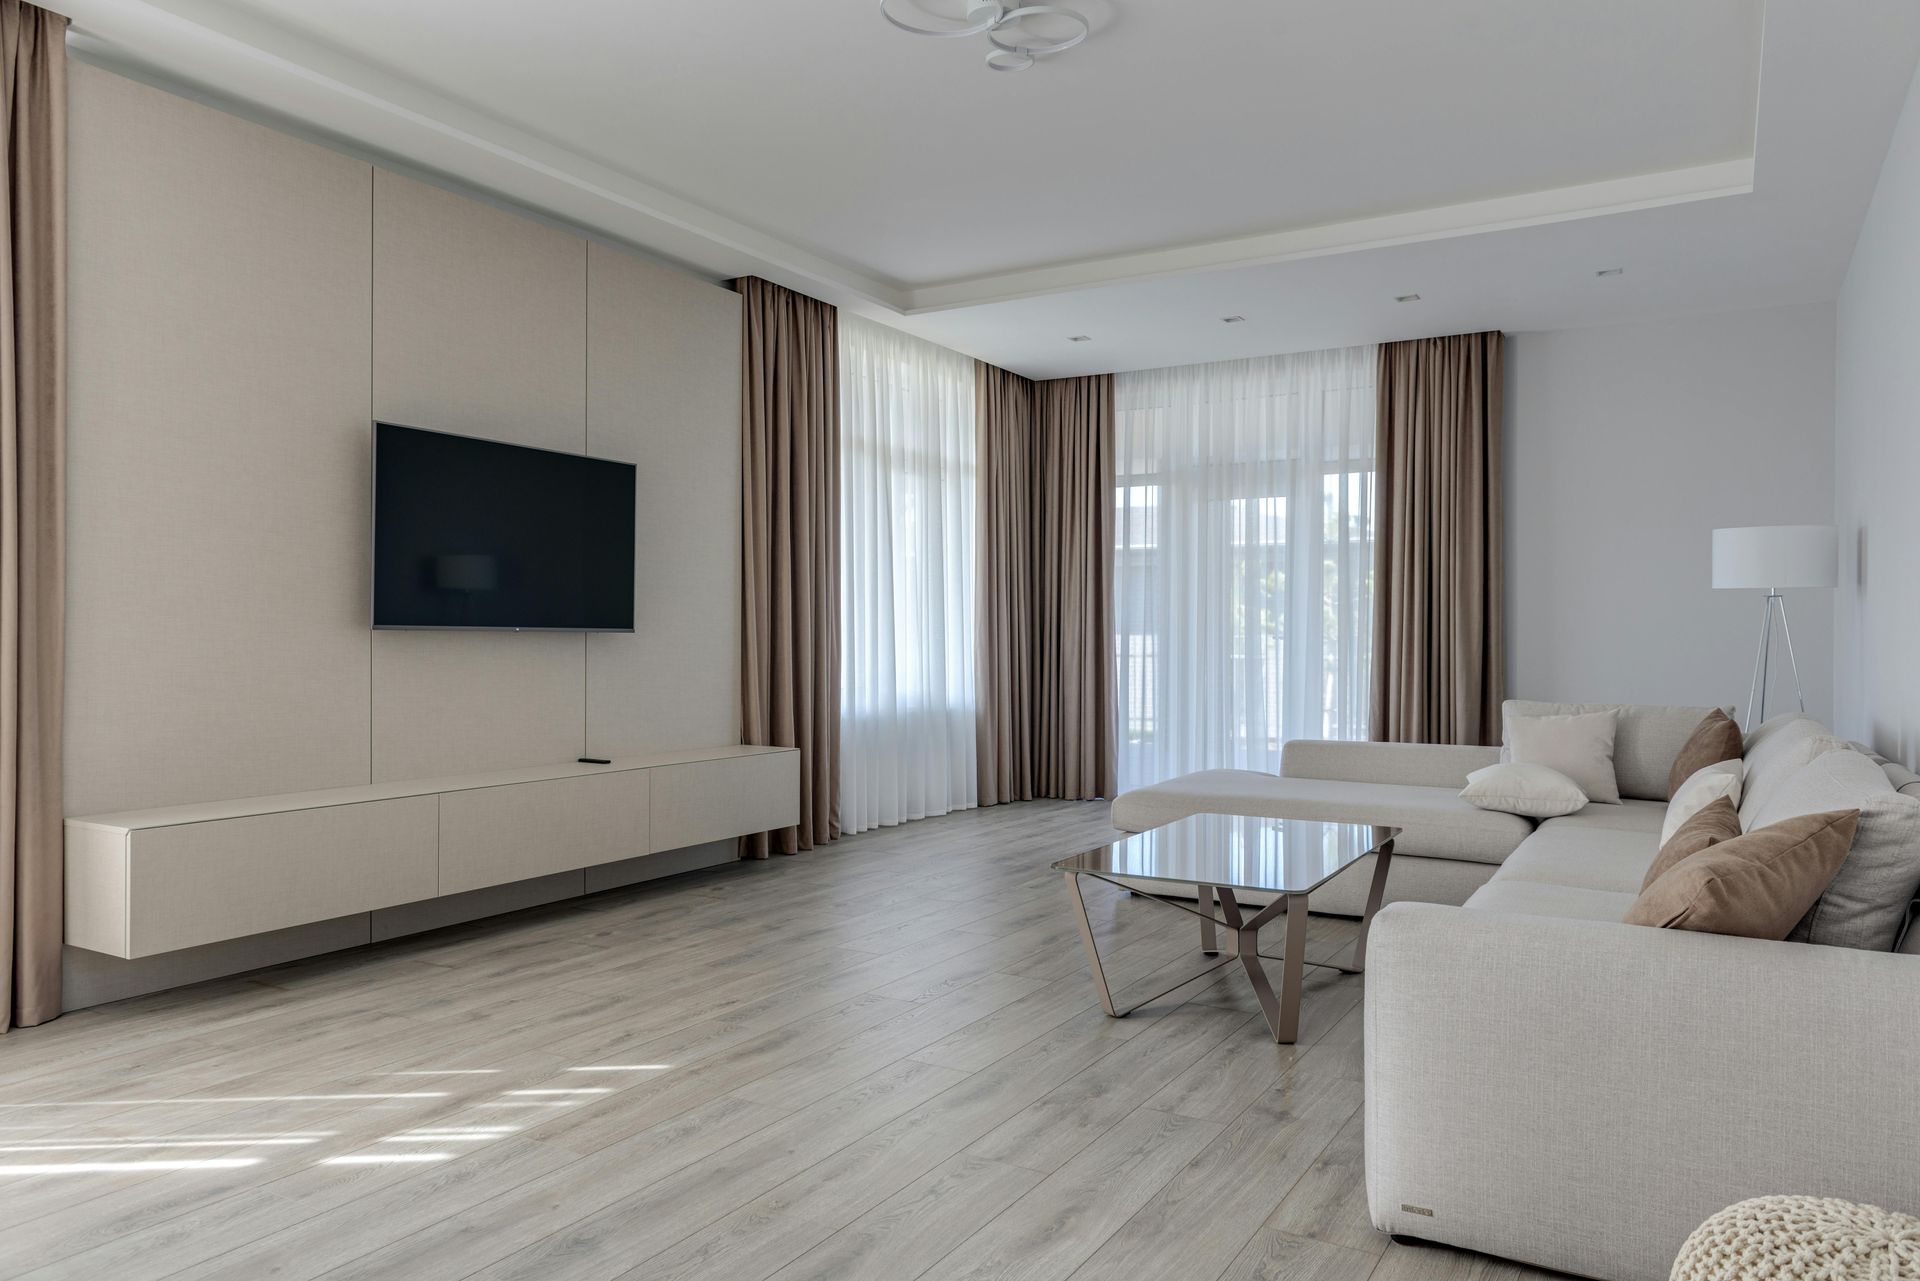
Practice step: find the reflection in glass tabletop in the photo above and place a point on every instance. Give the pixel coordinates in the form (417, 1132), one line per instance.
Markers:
(1274, 855)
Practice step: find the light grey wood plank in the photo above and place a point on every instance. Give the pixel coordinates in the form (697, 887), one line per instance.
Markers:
(1054, 1228)
(1199, 1221)
(1329, 1203)
(770, 1230)
(607, 1242)
(917, 1226)
(1056, 1127)
(1275, 1256)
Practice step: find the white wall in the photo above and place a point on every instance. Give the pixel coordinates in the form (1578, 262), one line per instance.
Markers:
(1877, 461)
(1626, 446)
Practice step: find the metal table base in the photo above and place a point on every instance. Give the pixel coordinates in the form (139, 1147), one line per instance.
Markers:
(1242, 943)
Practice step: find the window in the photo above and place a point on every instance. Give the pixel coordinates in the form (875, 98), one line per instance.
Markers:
(907, 466)
(1243, 554)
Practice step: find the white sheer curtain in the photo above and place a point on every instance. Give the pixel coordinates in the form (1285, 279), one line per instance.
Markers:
(907, 467)
(1243, 559)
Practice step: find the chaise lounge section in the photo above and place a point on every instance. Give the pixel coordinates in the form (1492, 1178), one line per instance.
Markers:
(1447, 848)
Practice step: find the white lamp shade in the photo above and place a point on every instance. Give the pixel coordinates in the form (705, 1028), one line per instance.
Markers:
(1776, 556)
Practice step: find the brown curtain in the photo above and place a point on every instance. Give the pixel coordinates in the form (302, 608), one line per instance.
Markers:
(790, 548)
(1045, 567)
(1439, 659)
(1003, 556)
(33, 424)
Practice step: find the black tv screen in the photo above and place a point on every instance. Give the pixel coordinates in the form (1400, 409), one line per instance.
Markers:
(473, 533)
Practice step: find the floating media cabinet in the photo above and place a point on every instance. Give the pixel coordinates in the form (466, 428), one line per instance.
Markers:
(144, 882)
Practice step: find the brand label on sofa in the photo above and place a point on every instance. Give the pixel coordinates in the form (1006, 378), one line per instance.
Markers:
(1417, 1209)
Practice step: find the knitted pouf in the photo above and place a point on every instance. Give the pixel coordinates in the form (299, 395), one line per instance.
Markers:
(1802, 1238)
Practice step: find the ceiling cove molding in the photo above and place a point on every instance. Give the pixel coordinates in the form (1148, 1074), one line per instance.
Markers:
(1559, 204)
(208, 47)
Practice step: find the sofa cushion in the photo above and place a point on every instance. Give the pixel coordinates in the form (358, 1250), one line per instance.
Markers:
(1867, 902)
(1645, 745)
(1627, 816)
(1536, 898)
(1757, 885)
(1775, 752)
(1436, 823)
(1591, 858)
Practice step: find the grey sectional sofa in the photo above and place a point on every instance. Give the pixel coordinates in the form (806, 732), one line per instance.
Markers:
(1546, 1084)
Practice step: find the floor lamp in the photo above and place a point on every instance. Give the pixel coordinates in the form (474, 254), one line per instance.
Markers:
(1769, 557)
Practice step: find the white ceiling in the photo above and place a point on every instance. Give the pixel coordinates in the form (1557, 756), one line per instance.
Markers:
(1298, 162)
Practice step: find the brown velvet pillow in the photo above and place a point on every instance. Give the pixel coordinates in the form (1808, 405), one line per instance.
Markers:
(1717, 821)
(1716, 738)
(1755, 886)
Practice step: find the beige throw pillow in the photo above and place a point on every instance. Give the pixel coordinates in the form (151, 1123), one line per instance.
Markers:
(1755, 886)
(1867, 902)
(1579, 746)
(1530, 790)
(1715, 739)
(1775, 752)
(1716, 821)
(1707, 785)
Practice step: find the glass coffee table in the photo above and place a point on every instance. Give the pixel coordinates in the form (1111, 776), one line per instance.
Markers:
(1219, 855)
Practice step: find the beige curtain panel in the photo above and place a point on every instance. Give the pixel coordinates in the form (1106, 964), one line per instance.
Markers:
(1045, 568)
(33, 381)
(1439, 657)
(790, 548)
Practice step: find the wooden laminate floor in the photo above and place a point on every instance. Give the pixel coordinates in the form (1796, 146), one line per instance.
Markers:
(876, 1062)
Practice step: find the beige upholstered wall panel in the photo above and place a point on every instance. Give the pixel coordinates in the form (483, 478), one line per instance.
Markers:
(464, 702)
(479, 327)
(480, 318)
(663, 392)
(217, 581)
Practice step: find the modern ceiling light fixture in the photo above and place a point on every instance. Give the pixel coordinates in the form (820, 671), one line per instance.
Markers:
(1080, 338)
(1015, 46)
(1406, 297)
(1611, 271)
(1233, 320)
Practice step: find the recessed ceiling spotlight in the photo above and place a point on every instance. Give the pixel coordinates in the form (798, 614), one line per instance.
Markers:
(1611, 271)
(1081, 338)
(1233, 320)
(1406, 297)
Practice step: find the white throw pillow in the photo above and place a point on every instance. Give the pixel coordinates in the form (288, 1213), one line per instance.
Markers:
(1703, 787)
(1579, 746)
(1532, 790)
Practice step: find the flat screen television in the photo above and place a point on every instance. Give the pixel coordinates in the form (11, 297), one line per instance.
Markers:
(472, 533)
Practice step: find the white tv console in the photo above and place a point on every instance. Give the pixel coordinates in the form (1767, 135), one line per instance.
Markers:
(144, 882)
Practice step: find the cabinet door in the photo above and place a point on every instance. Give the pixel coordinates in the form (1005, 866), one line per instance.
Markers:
(713, 800)
(493, 835)
(201, 882)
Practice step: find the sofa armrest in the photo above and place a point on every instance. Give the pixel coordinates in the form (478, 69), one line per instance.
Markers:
(1410, 764)
(1581, 1095)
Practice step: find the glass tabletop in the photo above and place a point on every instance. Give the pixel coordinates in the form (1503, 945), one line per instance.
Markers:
(1276, 855)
